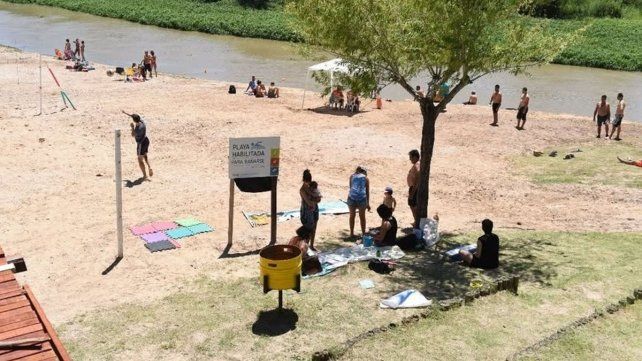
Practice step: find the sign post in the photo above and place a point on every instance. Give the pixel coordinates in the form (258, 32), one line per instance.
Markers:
(254, 158)
(119, 194)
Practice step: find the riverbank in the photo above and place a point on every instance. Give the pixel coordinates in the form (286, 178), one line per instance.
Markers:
(605, 43)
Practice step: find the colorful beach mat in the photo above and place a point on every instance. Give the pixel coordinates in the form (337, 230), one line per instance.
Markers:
(263, 218)
(163, 235)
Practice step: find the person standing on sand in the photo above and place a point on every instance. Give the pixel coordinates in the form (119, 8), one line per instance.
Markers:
(77, 49)
(147, 63)
(82, 50)
(154, 63)
(522, 109)
(413, 185)
(496, 102)
(603, 113)
(139, 132)
(68, 53)
(358, 198)
(619, 115)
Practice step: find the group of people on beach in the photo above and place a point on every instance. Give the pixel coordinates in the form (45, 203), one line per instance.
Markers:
(77, 54)
(257, 88)
(486, 254)
(350, 101)
(601, 114)
(147, 68)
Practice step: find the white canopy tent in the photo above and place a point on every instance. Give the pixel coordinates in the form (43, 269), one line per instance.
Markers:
(331, 66)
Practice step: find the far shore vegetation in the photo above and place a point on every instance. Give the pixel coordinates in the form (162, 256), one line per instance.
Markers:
(610, 36)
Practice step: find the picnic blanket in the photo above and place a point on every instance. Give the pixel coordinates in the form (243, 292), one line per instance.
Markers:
(331, 260)
(453, 254)
(263, 218)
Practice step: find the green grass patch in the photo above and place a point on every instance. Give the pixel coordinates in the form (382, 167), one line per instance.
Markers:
(615, 337)
(215, 319)
(594, 165)
(564, 277)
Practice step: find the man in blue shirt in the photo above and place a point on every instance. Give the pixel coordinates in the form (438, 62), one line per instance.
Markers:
(139, 132)
(251, 87)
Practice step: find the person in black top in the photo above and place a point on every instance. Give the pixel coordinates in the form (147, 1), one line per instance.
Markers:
(487, 254)
(139, 132)
(387, 235)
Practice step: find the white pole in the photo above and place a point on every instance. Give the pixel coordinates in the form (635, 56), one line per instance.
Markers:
(119, 194)
(40, 75)
(305, 87)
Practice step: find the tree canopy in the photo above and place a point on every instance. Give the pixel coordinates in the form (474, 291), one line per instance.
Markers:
(454, 42)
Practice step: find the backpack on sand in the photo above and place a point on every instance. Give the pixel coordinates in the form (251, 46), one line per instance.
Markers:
(232, 90)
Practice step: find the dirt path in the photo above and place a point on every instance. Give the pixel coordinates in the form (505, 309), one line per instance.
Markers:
(57, 178)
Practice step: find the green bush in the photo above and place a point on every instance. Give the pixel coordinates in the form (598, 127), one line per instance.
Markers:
(606, 8)
(573, 9)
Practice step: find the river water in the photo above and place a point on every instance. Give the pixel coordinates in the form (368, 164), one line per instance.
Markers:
(553, 88)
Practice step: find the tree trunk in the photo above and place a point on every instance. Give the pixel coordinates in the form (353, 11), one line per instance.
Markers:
(430, 114)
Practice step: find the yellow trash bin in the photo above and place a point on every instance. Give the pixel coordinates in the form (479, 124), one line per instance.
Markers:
(280, 267)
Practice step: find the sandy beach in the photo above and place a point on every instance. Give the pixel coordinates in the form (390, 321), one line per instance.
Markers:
(58, 200)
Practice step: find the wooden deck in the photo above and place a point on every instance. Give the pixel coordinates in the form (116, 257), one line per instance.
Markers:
(23, 320)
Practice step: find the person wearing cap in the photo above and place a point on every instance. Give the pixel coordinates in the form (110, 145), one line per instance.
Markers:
(388, 200)
(359, 198)
(139, 132)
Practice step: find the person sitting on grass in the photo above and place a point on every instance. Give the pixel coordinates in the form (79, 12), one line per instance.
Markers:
(273, 91)
(310, 263)
(301, 240)
(487, 254)
(637, 163)
(387, 235)
(336, 98)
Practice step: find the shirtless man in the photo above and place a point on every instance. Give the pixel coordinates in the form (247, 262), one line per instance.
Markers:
(77, 49)
(619, 114)
(603, 113)
(472, 99)
(522, 109)
(147, 63)
(496, 102)
(413, 184)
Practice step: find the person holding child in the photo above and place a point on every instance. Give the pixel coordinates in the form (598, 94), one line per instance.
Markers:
(310, 199)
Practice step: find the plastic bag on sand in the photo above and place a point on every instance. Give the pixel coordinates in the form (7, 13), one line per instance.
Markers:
(406, 299)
